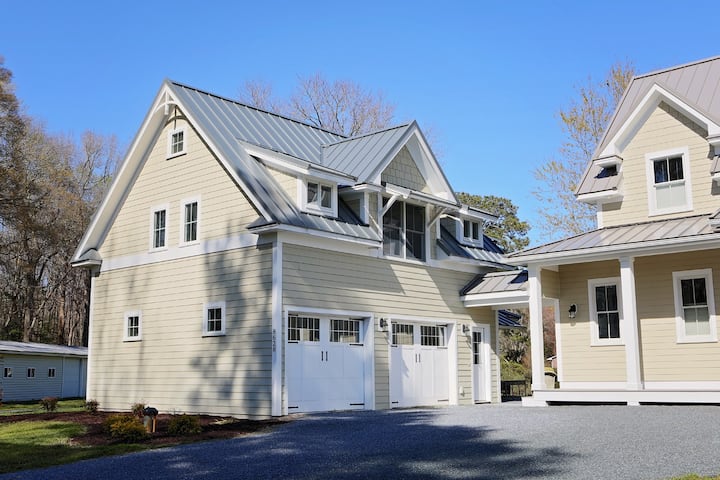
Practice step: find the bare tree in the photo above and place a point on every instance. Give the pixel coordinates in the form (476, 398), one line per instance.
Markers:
(583, 123)
(341, 106)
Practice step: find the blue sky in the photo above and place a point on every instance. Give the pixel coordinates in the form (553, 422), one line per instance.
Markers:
(487, 77)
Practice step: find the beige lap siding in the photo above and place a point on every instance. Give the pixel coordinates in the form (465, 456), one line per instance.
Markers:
(663, 359)
(173, 367)
(314, 278)
(665, 129)
(581, 361)
(223, 208)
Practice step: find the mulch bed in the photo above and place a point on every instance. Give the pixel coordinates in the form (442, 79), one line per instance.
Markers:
(213, 428)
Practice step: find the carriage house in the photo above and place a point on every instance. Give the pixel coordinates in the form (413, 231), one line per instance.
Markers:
(248, 264)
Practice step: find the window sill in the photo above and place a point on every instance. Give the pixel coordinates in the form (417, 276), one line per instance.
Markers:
(159, 249)
(413, 261)
(130, 340)
(703, 339)
(325, 212)
(607, 343)
(189, 244)
(213, 334)
(175, 155)
(670, 211)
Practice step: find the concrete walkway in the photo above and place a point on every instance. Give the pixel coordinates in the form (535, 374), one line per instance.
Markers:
(480, 442)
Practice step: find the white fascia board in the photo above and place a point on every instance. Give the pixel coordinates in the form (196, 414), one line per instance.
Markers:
(652, 99)
(290, 164)
(497, 298)
(656, 247)
(406, 193)
(149, 129)
(470, 212)
(606, 196)
(428, 165)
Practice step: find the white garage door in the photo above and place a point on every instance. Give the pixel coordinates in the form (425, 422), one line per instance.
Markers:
(419, 369)
(324, 363)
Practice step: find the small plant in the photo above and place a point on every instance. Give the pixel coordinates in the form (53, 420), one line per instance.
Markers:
(125, 428)
(184, 425)
(49, 403)
(137, 409)
(92, 406)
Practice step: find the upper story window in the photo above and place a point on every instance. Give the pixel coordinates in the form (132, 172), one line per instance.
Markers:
(668, 182)
(318, 197)
(132, 327)
(694, 306)
(176, 142)
(605, 311)
(404, 230)
(190, 212)
(159, 228)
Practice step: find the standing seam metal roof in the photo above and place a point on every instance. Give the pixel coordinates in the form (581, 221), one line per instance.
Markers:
(29, 348)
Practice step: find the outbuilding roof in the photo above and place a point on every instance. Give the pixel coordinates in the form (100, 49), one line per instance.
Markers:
(28, 348)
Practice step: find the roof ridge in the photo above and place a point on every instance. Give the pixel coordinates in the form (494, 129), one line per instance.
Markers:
(261, 110)
(363, 135)
(677, 67)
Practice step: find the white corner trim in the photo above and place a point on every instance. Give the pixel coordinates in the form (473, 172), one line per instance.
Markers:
(278, 393)
(91, 321)
(558, 339)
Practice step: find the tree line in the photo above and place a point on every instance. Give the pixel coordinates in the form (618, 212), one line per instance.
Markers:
(50, 185)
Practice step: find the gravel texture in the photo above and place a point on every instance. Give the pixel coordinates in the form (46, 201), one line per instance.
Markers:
(480, 442)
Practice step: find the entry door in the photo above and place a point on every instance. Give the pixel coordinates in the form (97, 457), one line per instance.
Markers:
(419, 370)
(481, 365)
(324, 363)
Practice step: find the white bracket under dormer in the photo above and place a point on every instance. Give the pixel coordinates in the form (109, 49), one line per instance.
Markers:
(396, 193)
(437, 215)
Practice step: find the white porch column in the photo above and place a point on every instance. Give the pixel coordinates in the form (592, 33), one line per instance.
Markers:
(629, 326)
(537, 352)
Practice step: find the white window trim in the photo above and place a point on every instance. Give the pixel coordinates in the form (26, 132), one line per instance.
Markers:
(183, 203)
(169, 142)
(595, 339)
(154, 209)
(127, 315)
(705, 273)
(650, 180)
(207, 306)
(7, 372)
(311, 207)
(31, 369)
(51, 370)
(469, 240)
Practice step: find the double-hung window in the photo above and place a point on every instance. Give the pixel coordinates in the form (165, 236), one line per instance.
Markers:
(176, 142)
(605, 311)
(158, 228)
(132, 326)
(669, 185)
(404, 230)
(7, 372)
(190, 221)
(694, 306)
(214, 319)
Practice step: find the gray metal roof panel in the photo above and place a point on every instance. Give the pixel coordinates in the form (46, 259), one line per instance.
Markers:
(597, 179)
(633, 234)
(28, 348)
(509, 319)
(497, 282)
(360, 156)
(450, 245)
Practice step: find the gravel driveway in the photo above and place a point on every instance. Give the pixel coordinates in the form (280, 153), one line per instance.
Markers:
(483, 442)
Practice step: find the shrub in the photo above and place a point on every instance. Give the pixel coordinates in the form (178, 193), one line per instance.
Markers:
(184, 425)
(49, 403)
(92, 406)
(137, 409)
(125, 428)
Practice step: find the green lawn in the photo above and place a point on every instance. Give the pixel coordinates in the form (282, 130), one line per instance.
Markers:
(22, 408)
(36, 444)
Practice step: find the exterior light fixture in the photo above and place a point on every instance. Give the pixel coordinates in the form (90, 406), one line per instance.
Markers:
(573, 311)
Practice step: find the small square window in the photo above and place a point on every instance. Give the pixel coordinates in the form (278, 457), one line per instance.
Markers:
(176, 142)
(214, 319)
(7, 372)
(471, 230)
(30, 373)
(319, 197)
(133, 326)
(51, 373)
